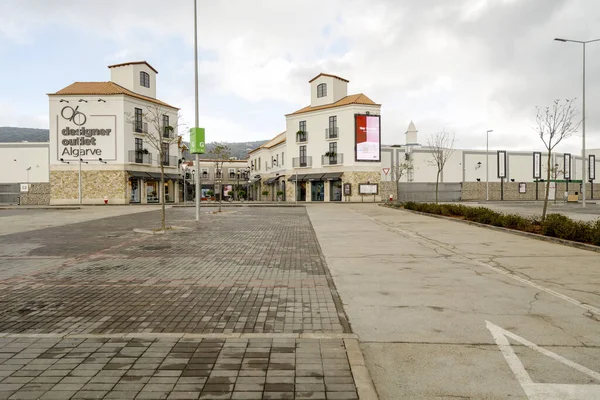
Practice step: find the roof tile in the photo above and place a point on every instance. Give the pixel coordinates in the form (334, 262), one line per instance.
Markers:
(104, 88)
(352, 99)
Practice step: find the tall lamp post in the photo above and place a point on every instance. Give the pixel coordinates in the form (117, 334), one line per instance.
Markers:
(197, 178)
(583, 180)
(487, 162)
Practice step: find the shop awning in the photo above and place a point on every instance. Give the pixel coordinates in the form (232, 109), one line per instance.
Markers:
(332, 176)
(153, 175)
(293, 178)
(270, 181)
(173, 177)
(312, 177)
(137, 174)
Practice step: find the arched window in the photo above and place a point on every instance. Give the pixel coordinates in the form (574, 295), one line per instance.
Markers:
(322, 90)
(144, 79)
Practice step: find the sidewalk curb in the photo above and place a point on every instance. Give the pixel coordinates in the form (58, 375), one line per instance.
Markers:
(582, 246)
(360, 372)
(160, 335)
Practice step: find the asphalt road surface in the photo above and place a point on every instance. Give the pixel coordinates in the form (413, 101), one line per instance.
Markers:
(446, 310)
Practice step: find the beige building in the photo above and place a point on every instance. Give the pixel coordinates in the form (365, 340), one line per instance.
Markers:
(104, 140)
(330, 150)
(219, 178)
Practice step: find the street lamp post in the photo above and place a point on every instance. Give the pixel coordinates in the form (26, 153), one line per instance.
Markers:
(583, 181)
(487, 159)
(197, 158)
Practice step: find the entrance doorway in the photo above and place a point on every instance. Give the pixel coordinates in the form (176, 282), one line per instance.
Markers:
(135, 191)
(317, 192)
(301, 191)
(335, 190)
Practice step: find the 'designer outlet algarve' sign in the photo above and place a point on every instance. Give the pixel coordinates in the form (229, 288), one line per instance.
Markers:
(87, 137)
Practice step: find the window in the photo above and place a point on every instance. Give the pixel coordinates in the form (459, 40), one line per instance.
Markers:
(302, 126)
(332, 131)
(258, 167)
(282, 159)
(144, 79)
(204, 173)
(165, 155)
(302, 156)
(322, 90)
(218, 174)
(231, 173)
(166, 126)
(139, 148)
(138, 120)
(332, 153)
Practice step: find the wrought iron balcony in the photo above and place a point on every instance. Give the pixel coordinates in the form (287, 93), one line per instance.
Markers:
(300, 162)
(140, 157)
(331, 133)
(335, 159)
(301, 137)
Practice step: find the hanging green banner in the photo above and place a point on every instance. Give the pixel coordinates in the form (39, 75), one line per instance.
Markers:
(197, 145)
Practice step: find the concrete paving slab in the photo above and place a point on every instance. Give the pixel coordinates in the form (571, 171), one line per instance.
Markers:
(421, 307)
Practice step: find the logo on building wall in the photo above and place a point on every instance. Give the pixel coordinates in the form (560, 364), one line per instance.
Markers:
(78, 140)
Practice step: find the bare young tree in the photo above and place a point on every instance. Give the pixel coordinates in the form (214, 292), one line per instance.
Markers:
(157, 126)
(441, 147)
(398, 170)
(221, 153)
(553, 124)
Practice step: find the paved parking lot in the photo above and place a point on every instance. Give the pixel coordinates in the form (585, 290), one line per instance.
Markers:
(223, 310)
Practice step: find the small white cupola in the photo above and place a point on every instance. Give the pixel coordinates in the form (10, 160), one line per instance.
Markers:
(327, 89)
(411, 135)
(137, 76)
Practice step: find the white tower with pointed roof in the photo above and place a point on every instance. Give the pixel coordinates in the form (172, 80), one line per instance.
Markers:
(411, 135)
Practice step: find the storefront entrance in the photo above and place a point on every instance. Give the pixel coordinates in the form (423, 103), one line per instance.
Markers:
(317, 191)
(301, 191)
(335, 190)
(152, 192)
(135, 191)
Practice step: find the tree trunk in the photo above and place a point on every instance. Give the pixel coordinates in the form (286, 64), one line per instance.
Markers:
(437, 185)
(547, 187)
(162, 192)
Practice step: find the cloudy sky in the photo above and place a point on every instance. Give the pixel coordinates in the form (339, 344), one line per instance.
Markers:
(461, 65)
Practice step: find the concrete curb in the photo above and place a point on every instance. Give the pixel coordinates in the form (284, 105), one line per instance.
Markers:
(360, 372)
(570, 243)
(40, 208)
(174, 229)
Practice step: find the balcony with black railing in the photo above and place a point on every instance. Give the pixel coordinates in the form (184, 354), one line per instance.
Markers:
(301, 137)
(140, 157)
(301, 162)
(331, 133)
(169, 161)
(332, 159)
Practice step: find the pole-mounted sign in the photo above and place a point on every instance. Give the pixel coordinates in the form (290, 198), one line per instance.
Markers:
(537, 165)
(567, 165)
(592, 167)
(501, 164)
(197, 144)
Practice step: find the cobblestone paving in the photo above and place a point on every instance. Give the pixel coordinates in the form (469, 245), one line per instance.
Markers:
(102, 368)
(253, 270)
(243, 286)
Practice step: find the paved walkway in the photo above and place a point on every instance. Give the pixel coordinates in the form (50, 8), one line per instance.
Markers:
(241, 306)
(446, 310)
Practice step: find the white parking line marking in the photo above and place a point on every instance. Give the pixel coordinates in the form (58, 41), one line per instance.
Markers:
(543, 391)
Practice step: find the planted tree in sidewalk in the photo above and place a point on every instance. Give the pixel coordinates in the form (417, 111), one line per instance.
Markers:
(400, 169)
(158, 126)
(441, 147)
(553, 124)
(220, 153)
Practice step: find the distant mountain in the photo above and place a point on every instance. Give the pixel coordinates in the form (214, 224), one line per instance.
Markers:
(239, 150)
(11, 134)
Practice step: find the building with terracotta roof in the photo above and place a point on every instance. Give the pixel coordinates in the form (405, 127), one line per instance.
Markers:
(105, 139)
(330, 150)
